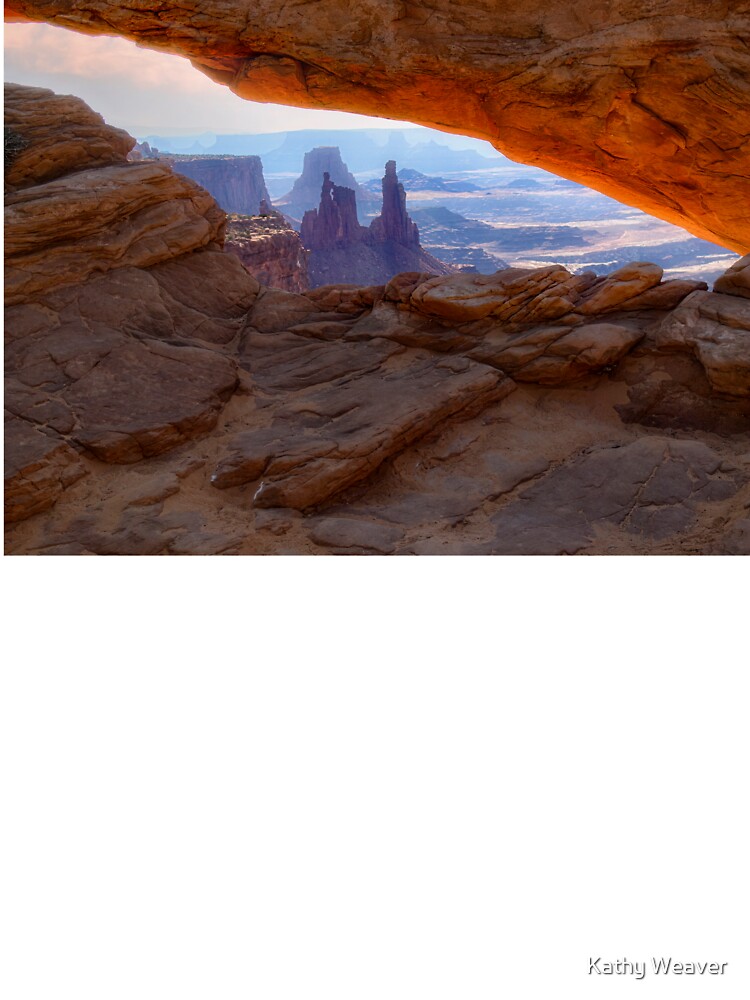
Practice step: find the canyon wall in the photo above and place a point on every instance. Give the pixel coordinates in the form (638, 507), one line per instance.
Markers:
(236, 182)
(647, 101)
(270, 250)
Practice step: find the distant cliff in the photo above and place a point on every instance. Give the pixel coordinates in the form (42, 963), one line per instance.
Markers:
(343, 251)
(236, 182)
(269, 249)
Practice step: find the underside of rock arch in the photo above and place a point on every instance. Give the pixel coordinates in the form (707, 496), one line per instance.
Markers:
(645, 100)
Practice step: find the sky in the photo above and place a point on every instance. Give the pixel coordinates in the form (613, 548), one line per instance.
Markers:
(144, 91)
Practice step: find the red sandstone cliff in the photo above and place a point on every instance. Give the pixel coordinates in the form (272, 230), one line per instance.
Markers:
(394, 222)
(270, 250)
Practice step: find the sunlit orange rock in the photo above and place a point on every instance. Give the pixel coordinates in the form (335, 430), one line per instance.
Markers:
(647, 101)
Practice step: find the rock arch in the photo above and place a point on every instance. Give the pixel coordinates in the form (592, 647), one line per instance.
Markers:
(645, 100)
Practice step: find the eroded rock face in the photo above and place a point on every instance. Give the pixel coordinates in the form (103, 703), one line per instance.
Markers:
(270, 250)
(334, 222)
(118, 304)
(648, 102)
(394, 222)
(59, 134)
(717, 329)
(339, 435)
(134, 214)
(236, 182)
(735, 281)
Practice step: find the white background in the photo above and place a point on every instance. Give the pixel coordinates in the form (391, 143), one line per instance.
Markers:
(445, 779)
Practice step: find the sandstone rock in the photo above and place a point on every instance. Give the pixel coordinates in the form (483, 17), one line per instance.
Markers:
(437, 489)
(145, 398)
(344, 534)
(60, 134)
(349, 299)
(206, 296)
(646, 102)
(328, 440)
(55, 232)
(735, 281)
(672, 391)
(38, 467)
(202, 297)
(286, 362)
(152, 490)
(277, 310)
(552, 355)
(334, 223)
(150, 531)
(717, 329)
(517, 295)
(528, 323)
(401, 286)
(623, 286)
(235, 182)
(665, 296)
(652, 488)
(736, 540)
(270, 250)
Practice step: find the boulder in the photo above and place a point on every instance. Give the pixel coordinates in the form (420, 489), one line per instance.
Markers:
(133, 214)
(716, 328)
(56, 135)
(735, 281)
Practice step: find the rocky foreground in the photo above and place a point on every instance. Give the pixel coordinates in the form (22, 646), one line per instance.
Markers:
(160, 400)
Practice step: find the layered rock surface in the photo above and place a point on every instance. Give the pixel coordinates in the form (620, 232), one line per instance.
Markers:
(175, 405)
(58, 135)
(270, 250)
(647, 102)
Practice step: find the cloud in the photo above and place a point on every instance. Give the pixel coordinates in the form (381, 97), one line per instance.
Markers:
(137, 88)
(42, 48)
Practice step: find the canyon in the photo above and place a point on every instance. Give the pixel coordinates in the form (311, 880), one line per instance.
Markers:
(159, 399)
